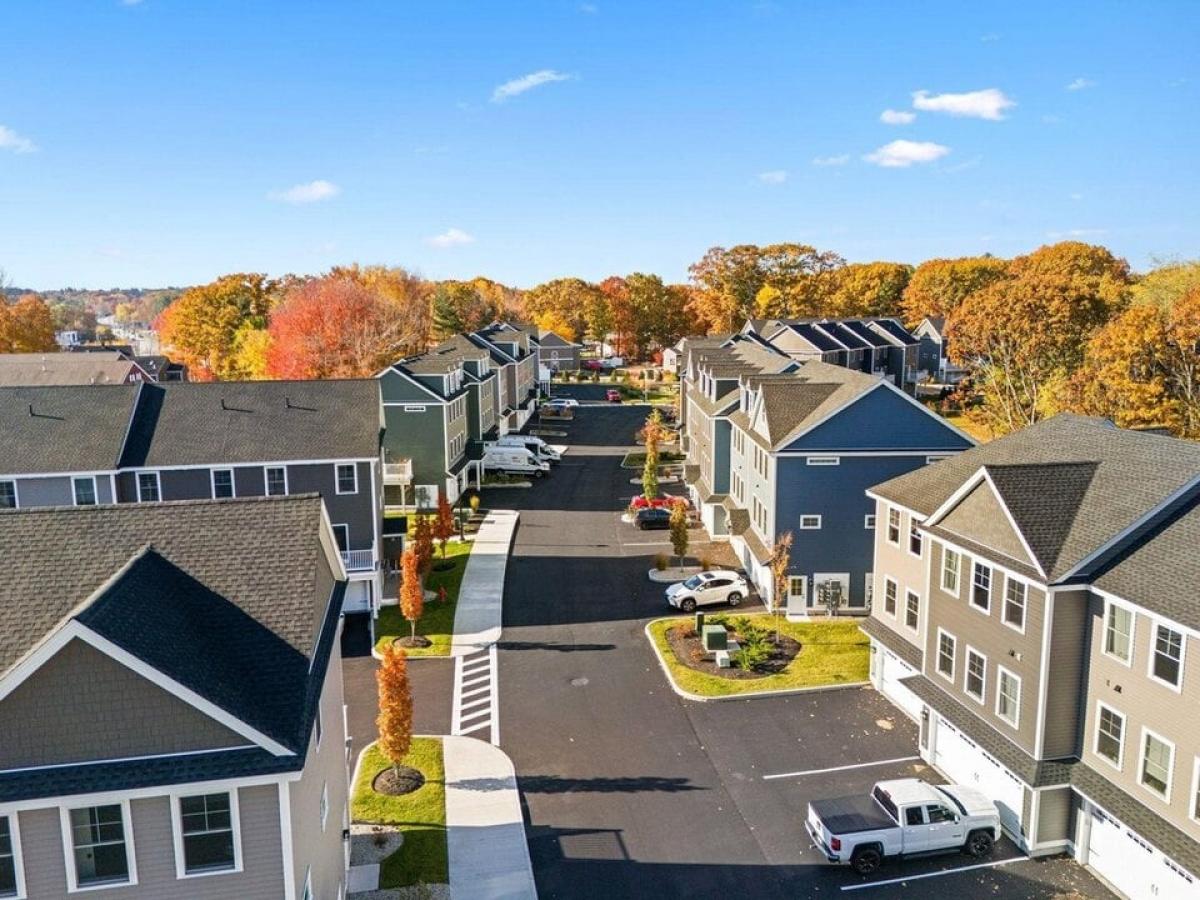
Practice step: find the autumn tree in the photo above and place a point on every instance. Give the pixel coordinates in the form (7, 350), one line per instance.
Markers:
(459, 307)
(565, 300)
(412, 591)
(679, 529)
(395, 719)
(443, 524)
(200, 328)
(779, 563)
(445, 320)
(26, 326)
(650, 474)
(865, 289)
(1024, 335)
(938, 287)
(653, 432)
(251, 347)
(1165, 284)
(620, 313)
(405, 296)
(423, 542)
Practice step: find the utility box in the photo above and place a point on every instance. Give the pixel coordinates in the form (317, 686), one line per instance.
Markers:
(715, 637)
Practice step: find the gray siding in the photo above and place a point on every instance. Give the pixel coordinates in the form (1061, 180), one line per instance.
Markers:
(353, 510)
(1054, 815)
(1065, 675)
(84, 705)
(185, 484)
(248, 481)
(420, 437)
(980, 517)
(54, 491)
(261, 877)
(126, 487)
(720, 456)
(908, 571)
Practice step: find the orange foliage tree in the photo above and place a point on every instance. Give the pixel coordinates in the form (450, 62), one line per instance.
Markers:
(423, 543)
(26, 326)
(412, 592)
(202, 327)
(395, 719)
(443, 525)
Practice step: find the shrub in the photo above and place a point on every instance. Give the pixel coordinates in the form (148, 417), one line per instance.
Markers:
(661, 562)
(753, 652)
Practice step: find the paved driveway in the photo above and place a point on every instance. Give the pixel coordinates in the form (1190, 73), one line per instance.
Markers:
(631, 791)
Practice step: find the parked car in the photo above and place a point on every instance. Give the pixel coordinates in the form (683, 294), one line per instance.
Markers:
(613, 362)
(531, 442)
(905, 817)
(652, 518)
(640, 502)
(592, 365)
(612, 395)
(513, 461)
(706, 588)
(564, 402)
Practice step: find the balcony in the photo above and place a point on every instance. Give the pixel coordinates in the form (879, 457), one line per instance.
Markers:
(358, 560)
(398, 472)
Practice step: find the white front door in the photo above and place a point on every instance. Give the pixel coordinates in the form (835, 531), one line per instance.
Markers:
(797, 598)
(962, 761)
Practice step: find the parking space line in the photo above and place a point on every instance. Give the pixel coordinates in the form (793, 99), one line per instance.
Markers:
(866, 765)
(986, 865)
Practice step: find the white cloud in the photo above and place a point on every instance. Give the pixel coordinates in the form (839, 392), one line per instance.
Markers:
(986, 104)
(1080, 84)
(902, 154)
(527, 83)
(10, 140)
(775, 176)
(897, 117)
(451, 237)
(1076, 233)
(832, 160)
(312, 192)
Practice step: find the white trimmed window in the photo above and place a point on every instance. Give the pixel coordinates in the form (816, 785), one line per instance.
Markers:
(101, 846)
(206, 837)
(810, 523)
(947, 644)
(1158, 757)
(1118, 633)
(951, 568)
(1110, 734)
(912, 610)
(1015, 595)
(1008, 696)
(148, 488)
(8, 495)
(893, 528)
(276, 481)
(976, 680)
(347, 478)
(12, 880)
(797, 587)
(869, 522)
(981, 587)
(1166, 656)
(914, 538)
(222, 483)
(84, 490)
(889, 596)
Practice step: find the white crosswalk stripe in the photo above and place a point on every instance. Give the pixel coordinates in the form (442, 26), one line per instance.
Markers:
(476, 696)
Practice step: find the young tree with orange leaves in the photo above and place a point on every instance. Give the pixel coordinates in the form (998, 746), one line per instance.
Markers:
(412, 592)
(395, 719)
(422, 543)
(443, 525)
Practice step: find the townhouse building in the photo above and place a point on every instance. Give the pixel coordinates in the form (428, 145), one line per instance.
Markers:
(150, 443)
(514, 355)
(482, 382)
(933, 353)
(109, 367)
(878, 346)
(554, 352)
(171, 702)
(1036, 614)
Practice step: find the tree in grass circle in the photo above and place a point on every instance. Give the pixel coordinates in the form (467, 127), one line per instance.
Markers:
(412, 591)
(395, 719)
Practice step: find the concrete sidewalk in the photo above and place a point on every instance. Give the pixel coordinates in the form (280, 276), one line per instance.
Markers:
(485, 832)
(481, 596)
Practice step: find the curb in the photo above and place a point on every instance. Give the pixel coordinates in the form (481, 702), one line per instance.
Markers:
(500, 487)
(657, 577)
(748, 695)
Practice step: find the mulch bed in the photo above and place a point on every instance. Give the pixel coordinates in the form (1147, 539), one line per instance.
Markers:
(395, 782)
(688, 650)
(408, 642)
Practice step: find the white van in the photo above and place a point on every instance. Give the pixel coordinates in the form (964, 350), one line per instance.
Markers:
(513, 460)
(543, 451)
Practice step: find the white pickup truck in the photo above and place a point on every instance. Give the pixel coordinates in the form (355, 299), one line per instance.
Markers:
(905, 817)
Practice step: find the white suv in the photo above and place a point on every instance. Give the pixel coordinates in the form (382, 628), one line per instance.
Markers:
(705, 588)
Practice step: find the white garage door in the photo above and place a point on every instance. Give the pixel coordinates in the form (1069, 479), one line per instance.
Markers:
(894, 669)
(962, 761)
(358, 597)
(1132, 865)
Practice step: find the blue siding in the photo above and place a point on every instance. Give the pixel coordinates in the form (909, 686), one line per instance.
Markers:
(838, 495)
(720, 451)
(882, 420)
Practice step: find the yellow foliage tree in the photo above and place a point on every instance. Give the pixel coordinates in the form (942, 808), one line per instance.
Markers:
(395, 719)
(553, 320)
(26, 326)
(201, 327)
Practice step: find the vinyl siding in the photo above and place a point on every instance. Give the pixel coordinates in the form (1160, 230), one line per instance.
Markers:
(908, 571)
(45, 492)
(882, 419)
(84, 705)
(249, 481)
(353, 510)
(980, 517)
(185, 484)
(1054, 815)
(419, 436)
(1065, 675)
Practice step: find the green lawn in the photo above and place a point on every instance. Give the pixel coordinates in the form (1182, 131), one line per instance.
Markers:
(437, 623)
(637, 460)
(832, 652)
(421, 815)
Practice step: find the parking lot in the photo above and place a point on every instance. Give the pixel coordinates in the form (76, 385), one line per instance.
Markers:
(630, 790)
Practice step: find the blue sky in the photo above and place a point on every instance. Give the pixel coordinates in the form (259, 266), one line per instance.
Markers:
(170, 141)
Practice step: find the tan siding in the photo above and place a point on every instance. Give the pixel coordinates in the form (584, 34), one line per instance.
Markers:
(981, 517)
(1146, 703)
(1065, 673)
(261, 877)
(987, 634)
(84, 705)
(908, 571)
(1054, 815)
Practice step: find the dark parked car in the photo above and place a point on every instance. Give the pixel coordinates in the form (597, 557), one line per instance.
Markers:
(647, 519)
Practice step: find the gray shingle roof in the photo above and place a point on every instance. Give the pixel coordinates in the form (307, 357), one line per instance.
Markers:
(64, 368)
(191, 423)
(63, 429)
(872, 627)
(1078, 482)
(797, 401)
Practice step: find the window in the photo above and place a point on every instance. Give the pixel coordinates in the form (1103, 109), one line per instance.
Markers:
(912, 610)
(1166, 657)
(8, 495)
(207, 842)
(1157, 758)
(1118, 633)
(1110, 734)
(85, 490)
(99, 841)
(824, 461)
(893, 532)
(945, 655)
(276, 481)
(10, 880)
(951, 566)
(981, 587)
(347, 478)
(1008, 696)
(810, 523)
(889, 596)
(976, 674)
(914, 815)
(797, 587)
(1015, 593)
(222, 483)
(147, 487)
(324, 804)
(938, 813)
(869, 522)
(914, 538)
